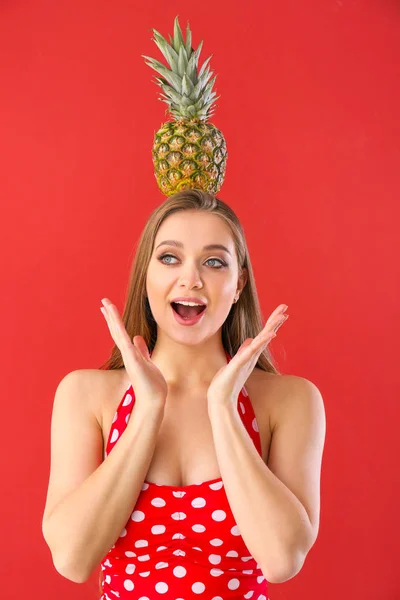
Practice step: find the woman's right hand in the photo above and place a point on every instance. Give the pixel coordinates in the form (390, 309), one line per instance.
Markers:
(146, 378)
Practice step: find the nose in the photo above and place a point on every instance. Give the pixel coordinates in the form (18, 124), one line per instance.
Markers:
(190, 277)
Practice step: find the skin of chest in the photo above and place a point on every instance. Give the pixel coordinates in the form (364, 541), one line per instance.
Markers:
(184, 451)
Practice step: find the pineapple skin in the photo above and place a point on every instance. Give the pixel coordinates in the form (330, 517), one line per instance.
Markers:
(189, 154)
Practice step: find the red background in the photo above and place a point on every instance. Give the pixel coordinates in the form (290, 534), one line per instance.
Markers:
(309, 107)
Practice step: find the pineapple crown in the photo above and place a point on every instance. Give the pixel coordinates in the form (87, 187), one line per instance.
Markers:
(187, 92)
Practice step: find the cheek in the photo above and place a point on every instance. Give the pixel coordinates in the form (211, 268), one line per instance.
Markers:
(157, 282)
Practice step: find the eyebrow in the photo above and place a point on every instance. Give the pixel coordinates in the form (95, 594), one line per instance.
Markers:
(180, 245)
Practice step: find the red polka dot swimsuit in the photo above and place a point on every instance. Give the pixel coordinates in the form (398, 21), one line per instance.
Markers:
(181, 542)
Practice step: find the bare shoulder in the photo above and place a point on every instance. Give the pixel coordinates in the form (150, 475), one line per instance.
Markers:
(282, 392)
(97, 385)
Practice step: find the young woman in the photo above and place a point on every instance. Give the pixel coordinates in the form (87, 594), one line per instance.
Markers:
(187, 466)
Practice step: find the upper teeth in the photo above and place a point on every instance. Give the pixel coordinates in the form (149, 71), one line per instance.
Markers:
(188, 303)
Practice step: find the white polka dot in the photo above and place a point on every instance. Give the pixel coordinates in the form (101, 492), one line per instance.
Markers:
(158, 502)
(128, 585)
(123, 533)
(198, 587)
(248, 571)
(198, 528)
(232, 553)
(235, 530)
(218, 515)
(161, 565)
(127, 399)
(249, 594)
(144, 573)
(260, 578)
(137, 515)
(179, 571)
(242, 408)
(216, 542)
(246, 558)
(114, 436)
(178, 494)
(157, 529)
(130, 554)
(141, 543)
(161, 587)
(144, 598)
(178, 516)
(143, 557)
(216, 572)
(254, 424)
(214, 559)
(217, 598)
(217, 485)
(198, 503)
(233, 584)
(262, 597)
(130, 568)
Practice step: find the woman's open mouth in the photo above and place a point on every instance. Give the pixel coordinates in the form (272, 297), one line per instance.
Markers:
(187, 315)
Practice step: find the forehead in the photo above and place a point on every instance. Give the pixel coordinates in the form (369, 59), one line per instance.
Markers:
(195, 229)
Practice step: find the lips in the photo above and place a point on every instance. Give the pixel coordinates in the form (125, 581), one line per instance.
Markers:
(184, 311)
(188, 320)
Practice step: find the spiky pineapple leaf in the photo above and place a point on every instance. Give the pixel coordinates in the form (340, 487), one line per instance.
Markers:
(178, 38)
(188, 39)
(209, 86)
(187, 85)
(182, 61)
(191, 68)
(169, 75)
(205, 63)
(169, 53)
(160, 81)
(201, 84)
(194, 59)
(174, 96)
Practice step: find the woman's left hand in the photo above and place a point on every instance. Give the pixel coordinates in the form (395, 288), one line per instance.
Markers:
(226, 385)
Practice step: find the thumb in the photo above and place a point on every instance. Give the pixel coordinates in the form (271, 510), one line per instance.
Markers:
(141, 345)
(244, 345)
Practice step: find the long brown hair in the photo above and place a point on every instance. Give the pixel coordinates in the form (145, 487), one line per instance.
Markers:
(244, 319)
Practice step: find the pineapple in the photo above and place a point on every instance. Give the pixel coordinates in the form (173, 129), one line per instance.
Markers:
(188, 151)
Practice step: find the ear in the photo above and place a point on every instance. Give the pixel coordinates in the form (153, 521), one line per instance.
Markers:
(242, 279)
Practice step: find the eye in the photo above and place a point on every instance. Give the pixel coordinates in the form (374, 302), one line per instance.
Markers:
(222, 263)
